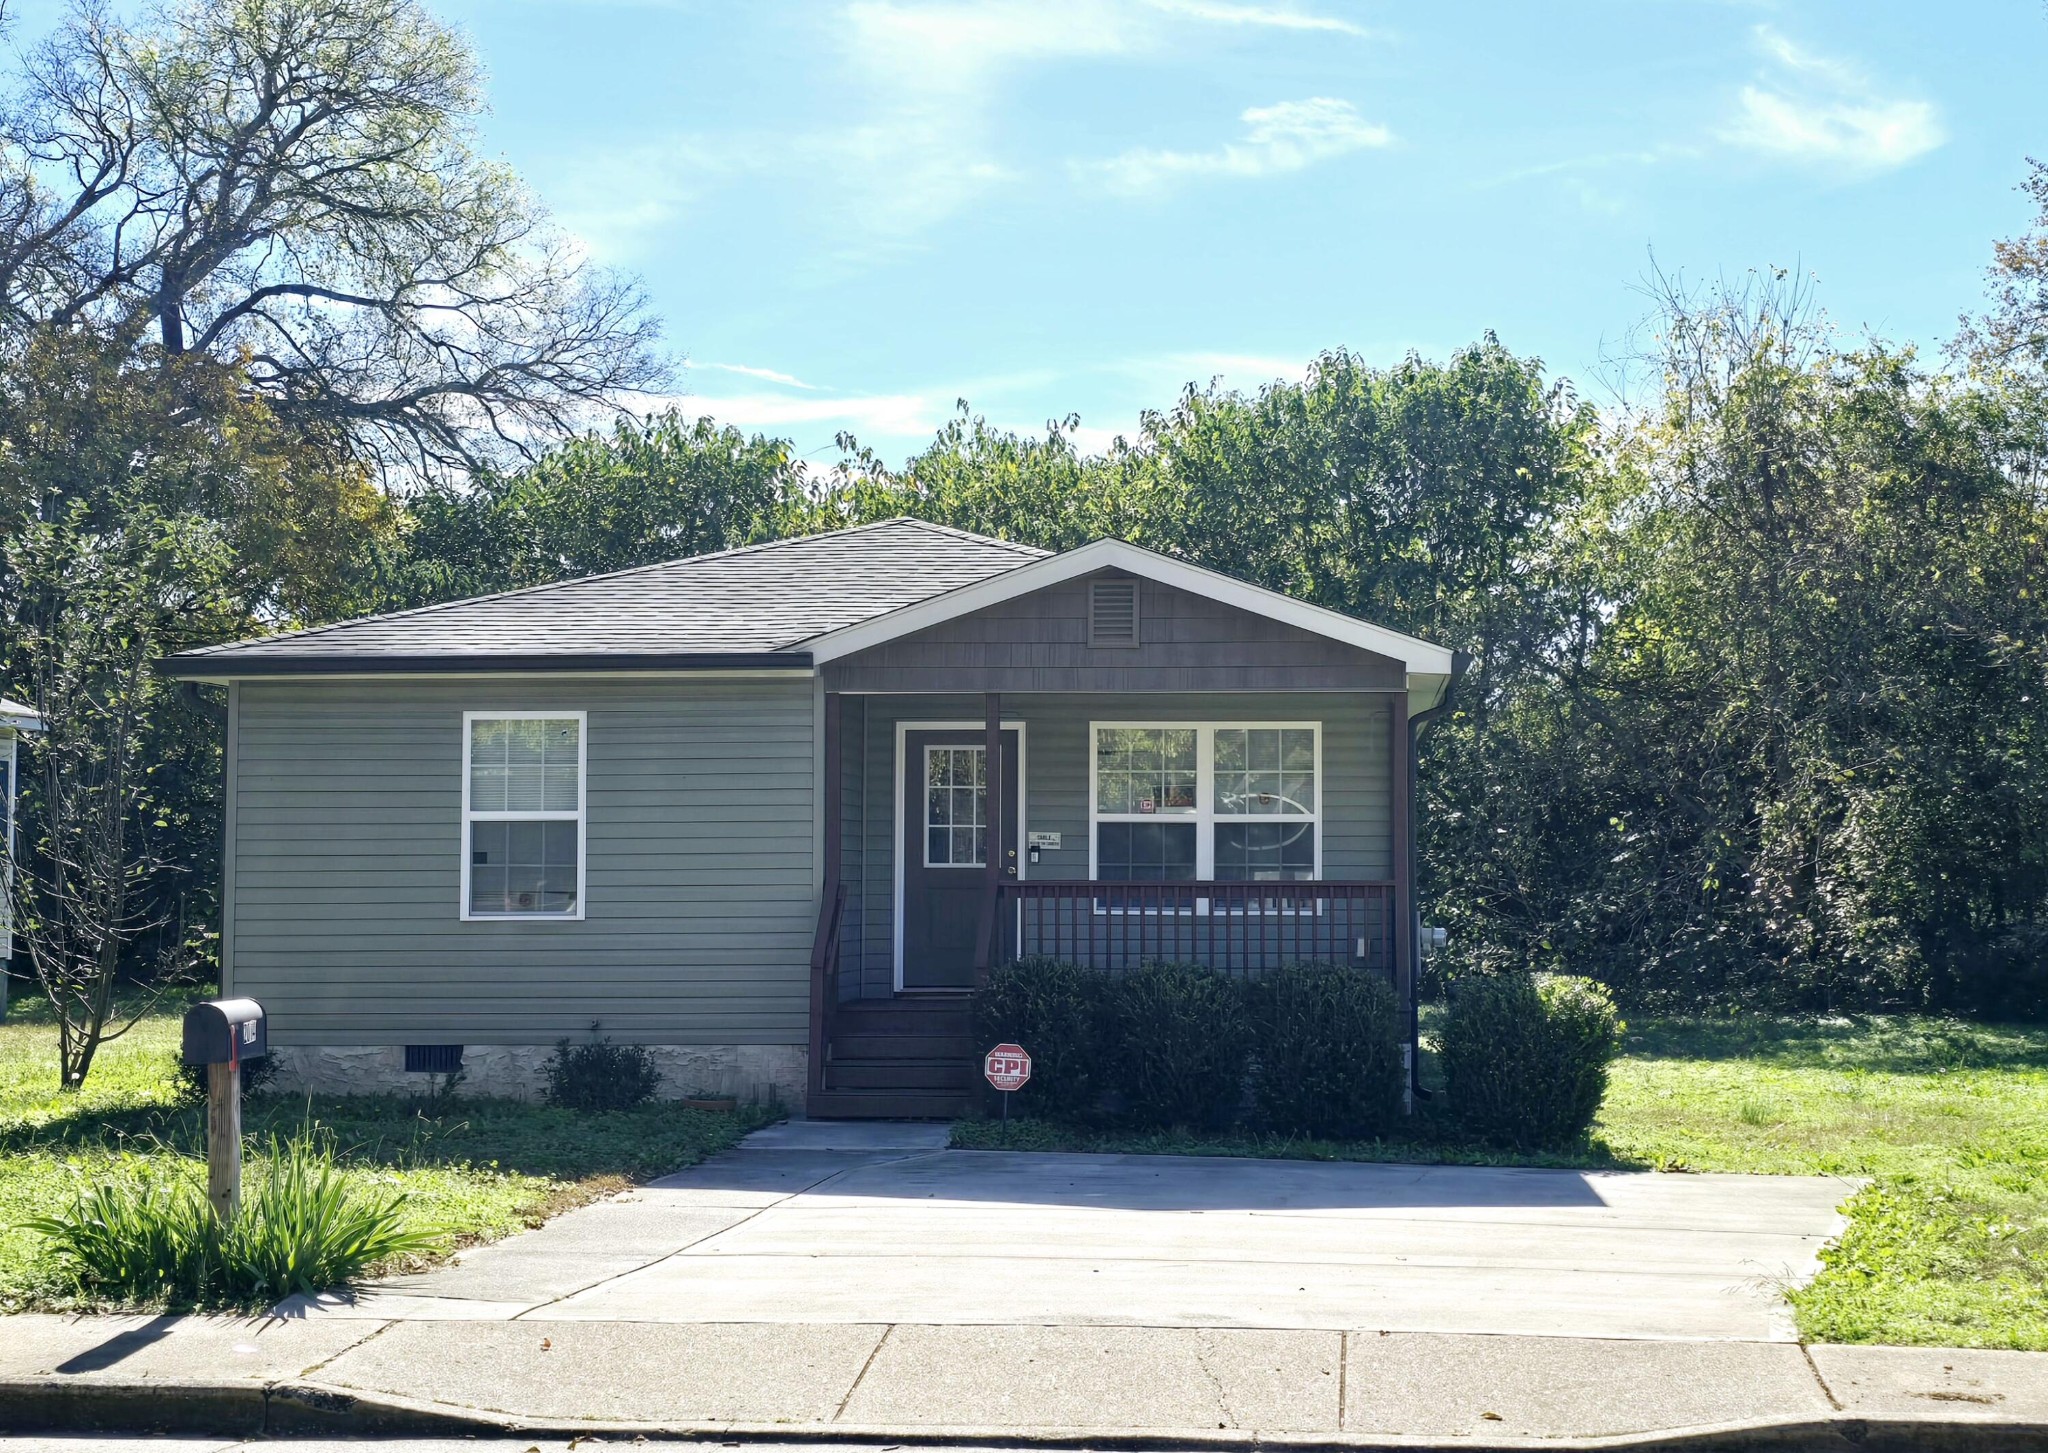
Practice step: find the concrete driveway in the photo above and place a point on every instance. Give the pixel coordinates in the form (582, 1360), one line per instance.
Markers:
(836, 1224)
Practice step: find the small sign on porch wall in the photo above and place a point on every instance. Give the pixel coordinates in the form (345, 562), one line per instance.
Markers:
(1042, 839)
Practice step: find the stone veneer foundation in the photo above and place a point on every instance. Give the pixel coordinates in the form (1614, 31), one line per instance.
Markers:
(514, 1071)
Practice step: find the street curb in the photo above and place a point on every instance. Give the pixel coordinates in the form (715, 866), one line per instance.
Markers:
(49, 1405)
(308, 1409)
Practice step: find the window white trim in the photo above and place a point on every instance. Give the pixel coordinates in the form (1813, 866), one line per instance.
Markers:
(1204, 817)
(979, 749)
(580, 816)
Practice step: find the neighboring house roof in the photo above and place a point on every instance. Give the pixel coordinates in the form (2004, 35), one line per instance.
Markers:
(728, 608)
(16, 717)
(788, 603)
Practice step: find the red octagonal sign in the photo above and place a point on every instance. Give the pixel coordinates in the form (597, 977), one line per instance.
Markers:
(1008, 1067)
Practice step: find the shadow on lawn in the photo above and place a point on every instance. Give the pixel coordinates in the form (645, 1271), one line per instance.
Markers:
(409, 1134)
(1898, 1045)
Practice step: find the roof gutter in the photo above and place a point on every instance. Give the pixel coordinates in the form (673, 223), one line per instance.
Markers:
(199, 667)
(1461, 662)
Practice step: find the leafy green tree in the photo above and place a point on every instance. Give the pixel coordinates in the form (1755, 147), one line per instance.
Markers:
(648, 491)
(1793, 756)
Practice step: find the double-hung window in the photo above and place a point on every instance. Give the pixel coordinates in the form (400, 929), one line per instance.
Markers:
(1221, 803)
(523, 815)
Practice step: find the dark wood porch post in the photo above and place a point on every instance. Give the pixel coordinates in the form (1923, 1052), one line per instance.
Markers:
(992, 776)
(828, 905)
(1404, 874)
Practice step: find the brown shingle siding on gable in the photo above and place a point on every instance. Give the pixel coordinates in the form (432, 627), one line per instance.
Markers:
(1040, 642)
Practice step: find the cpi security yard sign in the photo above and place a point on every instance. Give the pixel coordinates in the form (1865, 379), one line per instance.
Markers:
(1008, 1068)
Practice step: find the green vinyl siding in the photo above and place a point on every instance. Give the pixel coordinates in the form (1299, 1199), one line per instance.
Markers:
(700, 894)
(1357, 787)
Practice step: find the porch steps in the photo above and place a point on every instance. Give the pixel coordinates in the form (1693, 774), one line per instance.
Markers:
(907, 1058)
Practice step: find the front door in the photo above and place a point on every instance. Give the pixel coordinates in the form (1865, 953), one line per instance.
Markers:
(945, 851)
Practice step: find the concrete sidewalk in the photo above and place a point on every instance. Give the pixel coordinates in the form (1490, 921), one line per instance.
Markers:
(1083, 1386)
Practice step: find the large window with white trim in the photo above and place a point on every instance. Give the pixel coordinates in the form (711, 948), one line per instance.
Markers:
(1222, 803)
(523, 815)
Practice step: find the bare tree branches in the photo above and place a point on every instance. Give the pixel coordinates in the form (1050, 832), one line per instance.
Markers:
(294, 183)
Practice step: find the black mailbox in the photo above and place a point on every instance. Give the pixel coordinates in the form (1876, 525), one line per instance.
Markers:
(225, 1032)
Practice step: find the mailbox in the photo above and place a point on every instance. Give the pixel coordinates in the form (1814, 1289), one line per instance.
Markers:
(225, 1032)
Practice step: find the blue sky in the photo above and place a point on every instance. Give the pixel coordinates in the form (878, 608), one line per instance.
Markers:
(850, 213)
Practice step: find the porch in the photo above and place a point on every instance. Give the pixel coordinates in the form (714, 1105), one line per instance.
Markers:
(1240, 829)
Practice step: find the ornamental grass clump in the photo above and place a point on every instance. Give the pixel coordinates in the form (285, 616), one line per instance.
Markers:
(1326, 1048)
(1525, 1058)
(153, 1241)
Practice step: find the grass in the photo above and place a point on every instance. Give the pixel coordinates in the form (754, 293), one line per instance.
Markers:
(470, 1170)
(1948, 1245)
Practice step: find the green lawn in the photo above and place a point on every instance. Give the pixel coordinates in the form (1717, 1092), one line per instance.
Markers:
(1948, 1245)
(471, 1170)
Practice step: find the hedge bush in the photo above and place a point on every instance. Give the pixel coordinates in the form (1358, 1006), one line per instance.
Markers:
(1054, 1010)
(1326, 1044)
(1175, 1044)
(1525, 1059)
(600, 1076)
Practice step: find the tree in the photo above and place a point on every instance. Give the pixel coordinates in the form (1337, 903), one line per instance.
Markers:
(91, 614)
(293, 185)
(142, 511)
(651, 490)
(2013, 332)
(1789, 750)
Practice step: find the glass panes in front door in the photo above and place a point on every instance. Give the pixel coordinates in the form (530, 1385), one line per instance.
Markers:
(955, 807)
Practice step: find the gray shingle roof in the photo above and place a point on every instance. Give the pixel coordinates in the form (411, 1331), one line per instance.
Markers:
(734, 604)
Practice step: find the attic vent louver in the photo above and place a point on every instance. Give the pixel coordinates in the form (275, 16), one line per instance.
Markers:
(1113, 612)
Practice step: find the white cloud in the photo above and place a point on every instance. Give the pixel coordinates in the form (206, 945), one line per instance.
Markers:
(1277, 18)
(1822, 111)
(1285, 137)
(880, 414)
(768, 374)
(925, 80)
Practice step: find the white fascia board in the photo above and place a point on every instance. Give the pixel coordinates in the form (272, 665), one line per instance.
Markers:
(18, 718)
(1419, 656)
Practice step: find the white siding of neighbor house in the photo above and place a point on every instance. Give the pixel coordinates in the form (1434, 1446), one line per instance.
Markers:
(345, 865)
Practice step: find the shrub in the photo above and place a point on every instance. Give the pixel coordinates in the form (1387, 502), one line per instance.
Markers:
(1525, 1059)
(1326, 1045)
(1174, 1044)
(1053, 1009)
(153, 1241)
(256, 1075)
(600, 1076)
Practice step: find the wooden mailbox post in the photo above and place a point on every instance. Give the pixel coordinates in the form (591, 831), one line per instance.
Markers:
(220, 1034)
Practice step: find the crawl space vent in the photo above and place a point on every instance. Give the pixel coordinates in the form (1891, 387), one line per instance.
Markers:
(433, 1059)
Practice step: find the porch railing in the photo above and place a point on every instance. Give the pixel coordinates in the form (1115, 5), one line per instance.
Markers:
(1242, 928)
(825, 978)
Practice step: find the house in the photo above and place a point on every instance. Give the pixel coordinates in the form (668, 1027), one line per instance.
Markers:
(770, 811)
(16, 721)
